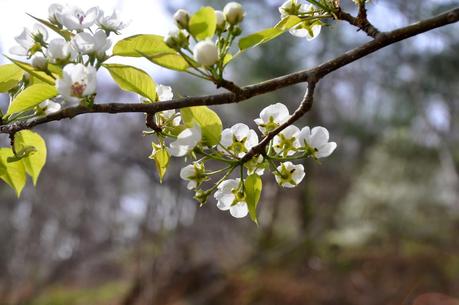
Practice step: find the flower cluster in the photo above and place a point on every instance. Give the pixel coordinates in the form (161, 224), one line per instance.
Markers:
(290, 145)
(209, 54)
(74, 55)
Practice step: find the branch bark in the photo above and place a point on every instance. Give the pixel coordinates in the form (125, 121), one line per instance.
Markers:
(382, 40)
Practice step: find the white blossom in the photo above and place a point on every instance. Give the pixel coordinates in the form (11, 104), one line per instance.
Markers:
(238, 140)
(39, 61)
(272, 117)
(195, 174)
(49, 107)
(292, 7)
(74, 18)
(111, 23)
(230, 197)
(60, 49)
(221, 20)
(54, 12)
(165, 94)
(310, 31)
(256, 165)
(205, 53)
(27, 39)
(316, 142)
(186, 141)
(78, 81)
(234, 13)
(86, 43)
(289, 175)
(182, 18)
(286, 142)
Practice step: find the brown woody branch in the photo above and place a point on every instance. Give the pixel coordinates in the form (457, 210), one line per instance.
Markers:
(382, 40)
(361, 21)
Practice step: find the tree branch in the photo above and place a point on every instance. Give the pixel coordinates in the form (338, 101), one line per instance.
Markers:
(382, 40)
(361, 21)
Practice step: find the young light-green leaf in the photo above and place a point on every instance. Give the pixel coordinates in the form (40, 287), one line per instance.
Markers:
(253, 186)
(10, 75)
(38, 74)
(266, 35)
(133, 80)
(31, 97)
(153, 48)
(33, 162)
(207, 119)
(161, 158)
(13, 173)
(203, 23)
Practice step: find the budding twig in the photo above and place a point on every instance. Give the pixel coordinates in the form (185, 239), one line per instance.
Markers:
(381, 40)
(361, 21)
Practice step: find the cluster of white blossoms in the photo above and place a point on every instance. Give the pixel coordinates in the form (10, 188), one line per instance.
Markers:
(290, 145)
(208, 52)
(76, 53)
(311, 26)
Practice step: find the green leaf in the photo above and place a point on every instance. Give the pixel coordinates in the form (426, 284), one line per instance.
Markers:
(14, 173)
(266, 35)
(203, 23)
(10, 75)
(31, 97)
(133, 80)
(287, 23)
(161, 158)
(228, 57)
(38, 74)
(64, 33)
(207, 119)
(153, 48)
(253, 186)
(34, 161)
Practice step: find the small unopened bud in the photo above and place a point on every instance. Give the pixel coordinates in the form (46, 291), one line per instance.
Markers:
(176, 39)
(201, 196)
(221, 21)
(206, 53)
(234, 13)
(39, 62)
(182, 18)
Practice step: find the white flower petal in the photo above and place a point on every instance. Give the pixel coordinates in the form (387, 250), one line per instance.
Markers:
(240, 131)
(326, 150)
(319, 136)
(239, 210)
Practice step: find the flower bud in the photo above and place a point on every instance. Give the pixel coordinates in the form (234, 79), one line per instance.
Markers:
(39, 62)
(182, 18)
(206, 53)
(176, 39)
(221, 21)
(234, 13)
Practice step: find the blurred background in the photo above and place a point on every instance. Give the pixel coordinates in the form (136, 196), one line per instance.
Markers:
(376, 223)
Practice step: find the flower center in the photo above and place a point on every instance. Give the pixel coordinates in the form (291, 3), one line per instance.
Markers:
(80, 17)
(286, 144)
(239, 196)
(78, 89)
(238, 146)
